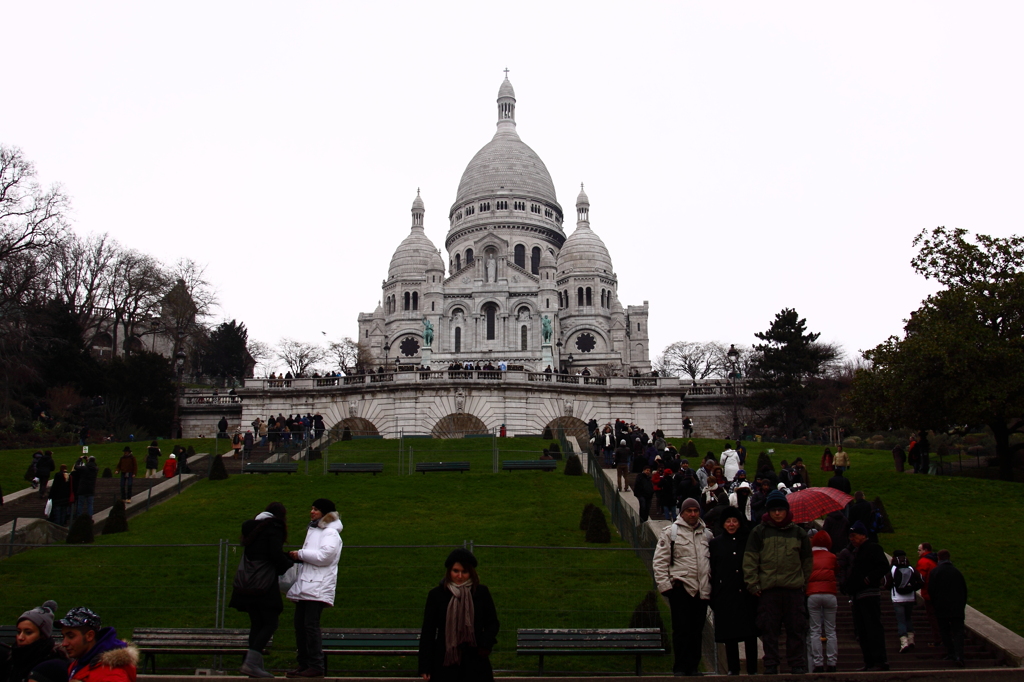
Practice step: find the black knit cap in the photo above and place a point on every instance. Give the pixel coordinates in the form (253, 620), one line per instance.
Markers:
(460, 556)
(324, 505)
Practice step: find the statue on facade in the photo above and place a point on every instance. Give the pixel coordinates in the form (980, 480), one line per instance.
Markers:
(428, 333)
(545, 328)
(492, 266)
(460, 400)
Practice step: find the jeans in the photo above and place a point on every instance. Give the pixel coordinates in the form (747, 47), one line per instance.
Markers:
(822, 609)
(84, 503)
(669, 513)
(904, 617)
(308, 641)
(59, 514)
(688, 616)
(126, 486)
(645, 508)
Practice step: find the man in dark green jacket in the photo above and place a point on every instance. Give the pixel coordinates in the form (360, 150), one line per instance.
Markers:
(776, 567)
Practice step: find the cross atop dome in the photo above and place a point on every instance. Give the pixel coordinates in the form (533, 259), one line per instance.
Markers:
(506, 102)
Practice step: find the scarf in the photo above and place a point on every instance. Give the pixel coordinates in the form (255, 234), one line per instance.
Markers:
(459, 622)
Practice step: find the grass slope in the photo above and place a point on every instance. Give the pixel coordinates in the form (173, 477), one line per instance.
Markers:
(980, 522)
(13, 463)
(378, 586)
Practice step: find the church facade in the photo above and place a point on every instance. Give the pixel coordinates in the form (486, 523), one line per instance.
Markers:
(515, 289)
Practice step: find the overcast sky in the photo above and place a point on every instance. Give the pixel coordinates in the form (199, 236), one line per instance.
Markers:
(740, 157)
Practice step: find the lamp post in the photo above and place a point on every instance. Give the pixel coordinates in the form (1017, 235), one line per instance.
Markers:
(179, 365)
(734, 359)
(387, 349)
(558, 345)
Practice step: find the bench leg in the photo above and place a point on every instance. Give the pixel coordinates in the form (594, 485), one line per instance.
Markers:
(151, 659)
(638, 671)
(542, 664)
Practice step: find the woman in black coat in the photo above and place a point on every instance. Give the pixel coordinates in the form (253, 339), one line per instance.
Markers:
(735, 608)
(459, 654)
(32, 646)
(263, 538)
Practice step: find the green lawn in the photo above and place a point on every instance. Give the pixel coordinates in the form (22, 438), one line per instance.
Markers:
(979, 521)
(13, 463)
(597, 586)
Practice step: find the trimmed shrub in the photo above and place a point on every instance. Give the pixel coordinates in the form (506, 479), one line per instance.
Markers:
(573, 466)
(547, 433)
(117, 522)
(315, 453)
(646, 615)
(346, 434)
(191, 452)
(799, 441)
(555, 450)
(597, 529)
(81, 532)
(764, 460)
(107, 473)
(588, 509)
(218, 472)
(692, 454)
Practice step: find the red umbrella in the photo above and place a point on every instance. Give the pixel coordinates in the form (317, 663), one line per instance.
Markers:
(812, 503)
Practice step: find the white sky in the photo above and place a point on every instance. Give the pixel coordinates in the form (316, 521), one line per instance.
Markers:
(739, 157)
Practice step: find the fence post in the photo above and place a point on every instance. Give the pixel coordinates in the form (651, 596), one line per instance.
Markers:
(149, 496)
(10, 543)
(224, 593)
(411, 460)
(216, 597)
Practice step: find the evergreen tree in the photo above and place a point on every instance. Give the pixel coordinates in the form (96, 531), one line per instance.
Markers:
(117, 520)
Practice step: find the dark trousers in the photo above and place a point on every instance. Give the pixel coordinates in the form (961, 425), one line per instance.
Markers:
(953, 635)
(933, 622)
(307, 634)
(262, 626)
(688, 617)
(867, 623)
(645, 508)
(126, 486)
(732, 655)
(780, 607)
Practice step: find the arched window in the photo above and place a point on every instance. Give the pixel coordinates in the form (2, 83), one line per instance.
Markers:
(491, 311)
(458, 339)
(566, 296)
(590, 298)
(407, 299)
(520, 256)
(523, 337)
(458, 262)
(579, 298)
(535, 260)
(416, 299)
(469, 257)
(431, 306)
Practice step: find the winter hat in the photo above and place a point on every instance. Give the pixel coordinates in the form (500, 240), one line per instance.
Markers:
(730, 513)
(460, 556)
(689, 503)
(741, 471)
(822, 539)
(859, 528)
(777, 500)
(622, 442)
(743, 486)
(80, 617)
(172, 456)
(324, 505)
(41, 617)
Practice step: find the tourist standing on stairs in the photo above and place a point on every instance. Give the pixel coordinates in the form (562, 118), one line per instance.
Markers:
(822, 604)
(905, 583)
(735, 608)
(867, 574)
(152, 460)
(948, 589)
(128, 467)
(622, 454)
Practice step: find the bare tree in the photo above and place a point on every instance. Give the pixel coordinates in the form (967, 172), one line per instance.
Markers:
(299, 356)
(134, 285)
(79, 270)
(186, 305)
(260, 352)
(350, 355)
(695, 359)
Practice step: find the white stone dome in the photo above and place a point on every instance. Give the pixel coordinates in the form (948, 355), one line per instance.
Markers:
(584, 251)
(416, 254)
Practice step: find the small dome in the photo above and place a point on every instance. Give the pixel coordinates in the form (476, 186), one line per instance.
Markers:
(415, 255)
(506, 89)
(546, 259)
(379, 310)
(417, 203)
(584, 251)
(582, 199)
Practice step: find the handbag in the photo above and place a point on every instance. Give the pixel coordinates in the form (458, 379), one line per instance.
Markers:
(288, 578)
(48, 508)
(254, 576)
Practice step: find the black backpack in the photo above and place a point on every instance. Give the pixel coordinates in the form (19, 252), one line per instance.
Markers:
(906, 580)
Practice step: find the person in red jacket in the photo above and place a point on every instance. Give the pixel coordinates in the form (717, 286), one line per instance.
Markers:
(927, 560)
(171, 466)
(96, 652)
(822, 604)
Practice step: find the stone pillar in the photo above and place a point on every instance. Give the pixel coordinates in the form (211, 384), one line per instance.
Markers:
(425, 356)
(546, 359)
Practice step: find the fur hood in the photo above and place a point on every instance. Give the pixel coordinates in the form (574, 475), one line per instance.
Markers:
(124, 657)
(330, 520)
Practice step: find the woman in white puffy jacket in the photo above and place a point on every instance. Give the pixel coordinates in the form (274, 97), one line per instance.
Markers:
(313, 590)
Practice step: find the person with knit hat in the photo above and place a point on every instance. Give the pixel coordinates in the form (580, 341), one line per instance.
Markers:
(822, 604)
(682, 572)
(776, 567)
(460, 625)
(314, 586)
(33, 645)
(735, 608)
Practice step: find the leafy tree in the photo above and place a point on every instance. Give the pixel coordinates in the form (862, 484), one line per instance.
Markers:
(960, 362)
(227, 351)
(782, 369)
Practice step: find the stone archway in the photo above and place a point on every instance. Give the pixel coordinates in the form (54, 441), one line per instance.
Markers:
(356, 425)
(458, 426)
(574, 427)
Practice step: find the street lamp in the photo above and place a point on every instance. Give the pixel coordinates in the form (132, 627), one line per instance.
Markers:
(558, 365)
(387, 349)
(734, 358)
(571, 360)
(179, 363)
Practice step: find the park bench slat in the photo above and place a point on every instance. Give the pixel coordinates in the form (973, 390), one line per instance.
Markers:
(370, 642)
(589, 642)
(353, 467)
(442, 466)
(189, 641)
(258, 468)
(528, 464)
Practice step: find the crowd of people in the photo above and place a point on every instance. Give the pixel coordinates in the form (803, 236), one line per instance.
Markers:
(732, 546)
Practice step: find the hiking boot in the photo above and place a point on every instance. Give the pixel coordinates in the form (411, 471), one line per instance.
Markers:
(904, 644)
(253, 665)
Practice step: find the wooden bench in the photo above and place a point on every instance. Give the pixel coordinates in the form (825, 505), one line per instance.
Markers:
(190, 641)
(355, 468)
(370, 642)
(442, 466)
(276, 468)
(626, 641)
(529, 464)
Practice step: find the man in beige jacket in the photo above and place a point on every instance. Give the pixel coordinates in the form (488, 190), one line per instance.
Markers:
(682, 571)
